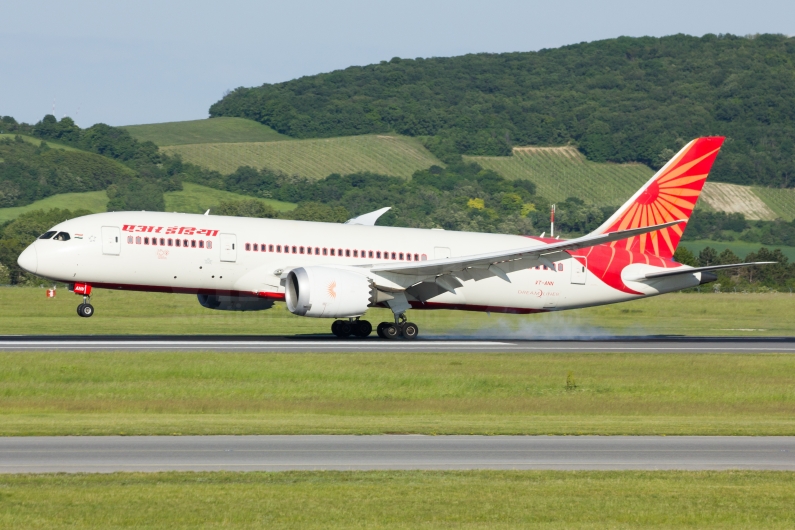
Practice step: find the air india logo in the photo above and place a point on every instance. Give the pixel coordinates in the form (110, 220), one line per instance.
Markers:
(331, 289)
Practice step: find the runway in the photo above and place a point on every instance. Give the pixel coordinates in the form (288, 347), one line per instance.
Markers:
(312, 343)
(106, 454)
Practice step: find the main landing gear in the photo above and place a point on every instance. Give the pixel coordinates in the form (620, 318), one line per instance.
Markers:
(386, 330)
(345, 328)
(400, 328)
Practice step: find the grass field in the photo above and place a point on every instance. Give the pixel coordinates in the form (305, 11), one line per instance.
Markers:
(401, 499)
(732, 198)
(781, 201)
(197, 199)
(93, 201)
(386, 154)
(562, 172)
(25, 310)
(104, 393)
(215, 130)
(741, 248)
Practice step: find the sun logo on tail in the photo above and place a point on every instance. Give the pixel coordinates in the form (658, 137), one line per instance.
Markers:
(331, 289)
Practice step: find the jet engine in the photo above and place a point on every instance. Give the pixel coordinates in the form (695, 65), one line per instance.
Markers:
(234, 303)
(328, 292)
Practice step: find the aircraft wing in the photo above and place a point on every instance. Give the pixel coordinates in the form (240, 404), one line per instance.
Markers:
(480, 266)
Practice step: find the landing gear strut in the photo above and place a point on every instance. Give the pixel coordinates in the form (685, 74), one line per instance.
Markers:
(85, 309)
(400, 328)
(345, 328)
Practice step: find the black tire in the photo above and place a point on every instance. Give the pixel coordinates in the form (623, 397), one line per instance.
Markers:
(335, 327)
(87, 310)
(363, 328)
(410, 331)
(380, 329)
(391, 331)
(80, 310)
(344, 329)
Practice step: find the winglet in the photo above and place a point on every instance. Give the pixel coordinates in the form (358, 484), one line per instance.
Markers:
(368, 219)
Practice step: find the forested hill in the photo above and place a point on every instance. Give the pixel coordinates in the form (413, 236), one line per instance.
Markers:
(620, 100)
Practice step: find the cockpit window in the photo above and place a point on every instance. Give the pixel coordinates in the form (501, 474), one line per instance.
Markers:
(47, 235)
(61, 236)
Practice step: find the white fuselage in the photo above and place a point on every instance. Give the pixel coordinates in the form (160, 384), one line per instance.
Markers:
(116, 251)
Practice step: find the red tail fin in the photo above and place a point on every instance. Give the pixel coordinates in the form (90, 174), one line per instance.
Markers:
(671, 194)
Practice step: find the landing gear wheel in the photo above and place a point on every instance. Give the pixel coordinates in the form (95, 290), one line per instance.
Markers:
(80, 310)
(85, 310)
(380, 329)
(391, 331)
(341, 328)
(410, 330)
(362, 328)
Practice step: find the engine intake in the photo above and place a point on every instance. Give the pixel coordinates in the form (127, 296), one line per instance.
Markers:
(234, 303)
(328, 292)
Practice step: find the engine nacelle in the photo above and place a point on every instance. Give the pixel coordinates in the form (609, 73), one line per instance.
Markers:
(234, 303)
(328, 292)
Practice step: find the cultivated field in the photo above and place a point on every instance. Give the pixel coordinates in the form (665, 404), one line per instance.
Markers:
(562, 172)
(37, 141)
(732, 198)
(386, 154)
(215, 130)
(400, 499)
(781, 201)
(197, 199)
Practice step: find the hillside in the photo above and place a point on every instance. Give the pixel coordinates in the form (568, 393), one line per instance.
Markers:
(384, 154)
(618, 100)
(216, 130)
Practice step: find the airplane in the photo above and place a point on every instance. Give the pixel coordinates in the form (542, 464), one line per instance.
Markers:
(338, 271)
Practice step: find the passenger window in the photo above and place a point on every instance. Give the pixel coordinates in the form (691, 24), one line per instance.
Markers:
(378, 254)
(201, 244)
(333, 252)
(401, 256)
(355, 253)
(175, 242)
(61, 236)
(325, 251)
(270, 247)
(317, 251)
(416, 257)
(295, 251)
(129, 240)
(408, 257)
(347, 253)
(301, 249)
(184, 242)
(370, 254)
(255, 247)
(560, 266)
(162, 242)
(138, 240)
(170, 242)
(424, 257)
(339, 252)
(393, 256)
(47, 235)
(248, 246)
(278, 248)
(209, 244)
(146, 241)
(154, 241)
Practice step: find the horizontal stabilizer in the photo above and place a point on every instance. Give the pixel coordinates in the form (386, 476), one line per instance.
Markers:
(677, 272)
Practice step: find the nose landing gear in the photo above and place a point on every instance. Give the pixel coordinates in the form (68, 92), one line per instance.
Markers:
(85, 309)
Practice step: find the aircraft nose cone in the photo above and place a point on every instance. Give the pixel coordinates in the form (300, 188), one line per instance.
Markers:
(28, 260)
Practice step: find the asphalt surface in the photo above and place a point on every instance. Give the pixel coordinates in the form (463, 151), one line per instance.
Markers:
(312, 343)
(106, 454)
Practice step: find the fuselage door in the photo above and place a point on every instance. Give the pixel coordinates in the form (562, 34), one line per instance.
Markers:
(579, 271)
(228, 247)
(111, 240)
(441, 252)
